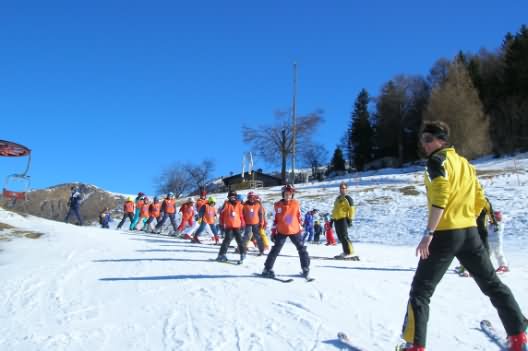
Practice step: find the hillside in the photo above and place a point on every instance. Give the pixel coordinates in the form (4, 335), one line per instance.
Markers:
(85, 288)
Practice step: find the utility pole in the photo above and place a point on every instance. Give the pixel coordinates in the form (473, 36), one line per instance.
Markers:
(293, 119)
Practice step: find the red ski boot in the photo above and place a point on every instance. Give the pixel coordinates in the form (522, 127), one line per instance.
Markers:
(518, 342)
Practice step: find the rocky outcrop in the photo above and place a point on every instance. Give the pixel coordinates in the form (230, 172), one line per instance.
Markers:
(52, 203)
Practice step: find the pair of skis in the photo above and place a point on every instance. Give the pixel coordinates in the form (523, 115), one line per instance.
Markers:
(283, 280)
(485, 326)
(235, 262)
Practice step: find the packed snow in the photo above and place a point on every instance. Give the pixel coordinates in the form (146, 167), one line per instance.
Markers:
(86, 288)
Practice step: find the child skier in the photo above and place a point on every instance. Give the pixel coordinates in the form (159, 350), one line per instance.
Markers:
(329, 232)
(128, 212)
(105, 218)
(154, 213)
(207, 217)
(143, 214)
(168, 207)
(318, 229)
(496, 233)
(254, 219)
(287, 224)
(309, 225)
(232, 219)
(187, 217)
(140, 201)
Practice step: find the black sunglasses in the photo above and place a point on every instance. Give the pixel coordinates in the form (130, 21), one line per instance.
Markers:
(427, 138)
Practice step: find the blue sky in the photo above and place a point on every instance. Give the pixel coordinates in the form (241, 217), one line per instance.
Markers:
(111, 92)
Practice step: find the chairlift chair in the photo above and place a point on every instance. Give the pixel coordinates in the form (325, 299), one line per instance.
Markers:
(11, 149)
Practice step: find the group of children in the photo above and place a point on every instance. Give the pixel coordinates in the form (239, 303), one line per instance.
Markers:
(200, 216)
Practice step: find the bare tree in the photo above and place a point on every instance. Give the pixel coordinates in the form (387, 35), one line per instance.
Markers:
(271, 141)
(314, 156)
(457, 103)
(201, 173)
(174, 178)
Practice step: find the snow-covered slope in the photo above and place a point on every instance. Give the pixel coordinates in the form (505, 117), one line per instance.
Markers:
(85, 288)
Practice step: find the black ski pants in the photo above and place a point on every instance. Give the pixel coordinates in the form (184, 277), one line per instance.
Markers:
(280, 240)
(341, 227)
(129, 215)
(464, 244)
(76, 211)
(171, 216)
(229, 234)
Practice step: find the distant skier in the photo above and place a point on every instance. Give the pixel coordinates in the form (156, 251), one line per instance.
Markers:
(168, 207)
(74, 203)
(105, 218)
(496, 231)
(128, 211)
(309, 225)
(454, 199)
(342, 216)
(287, 224)
(318, 230)
(140, 201)
(329, 232)
(232, 220)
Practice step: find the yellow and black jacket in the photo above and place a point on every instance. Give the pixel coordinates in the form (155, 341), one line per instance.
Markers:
(343, 208)
(452, 185)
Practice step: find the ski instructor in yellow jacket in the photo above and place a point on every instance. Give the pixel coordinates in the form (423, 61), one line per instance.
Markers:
(454, 198)
(342, 216)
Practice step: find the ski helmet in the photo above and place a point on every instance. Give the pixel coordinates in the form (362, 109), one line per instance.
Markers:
(288, 188)
(251, 194)
(170, 194)
(130, 198)
(191, 199)
(146, 199)
(231, 194)
(156, 199)
(211, 200)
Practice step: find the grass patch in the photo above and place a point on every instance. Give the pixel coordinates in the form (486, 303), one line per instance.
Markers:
(409, 190)
(27, 234)
(8, 232)
(379, 200)
(4, 226)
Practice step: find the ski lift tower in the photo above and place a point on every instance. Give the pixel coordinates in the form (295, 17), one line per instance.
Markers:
(11, 149)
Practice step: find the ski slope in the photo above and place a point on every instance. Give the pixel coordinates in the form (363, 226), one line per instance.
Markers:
(85, 288)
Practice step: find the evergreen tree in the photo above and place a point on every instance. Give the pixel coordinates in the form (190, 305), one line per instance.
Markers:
(360, 132)
(338, 162)
(389, 114)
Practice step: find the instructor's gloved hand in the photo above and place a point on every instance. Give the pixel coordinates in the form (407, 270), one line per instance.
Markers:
(494, 228)
(349, 222)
